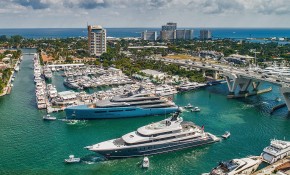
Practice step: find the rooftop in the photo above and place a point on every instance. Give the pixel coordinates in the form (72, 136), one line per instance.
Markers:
(151, 72)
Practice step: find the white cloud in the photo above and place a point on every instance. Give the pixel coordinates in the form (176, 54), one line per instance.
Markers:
(149, 12)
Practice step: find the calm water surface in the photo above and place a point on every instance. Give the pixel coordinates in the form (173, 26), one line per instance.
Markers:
(28, 145)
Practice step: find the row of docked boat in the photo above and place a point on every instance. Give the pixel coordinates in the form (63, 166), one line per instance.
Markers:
(188, 86)
(82, 82)
(83, 71)
(40, 86)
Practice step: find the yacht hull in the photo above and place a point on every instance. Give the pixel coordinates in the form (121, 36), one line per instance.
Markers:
(154, 149)
(83, 112)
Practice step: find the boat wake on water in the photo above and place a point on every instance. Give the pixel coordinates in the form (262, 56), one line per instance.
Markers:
(74, 122)
(92, 159)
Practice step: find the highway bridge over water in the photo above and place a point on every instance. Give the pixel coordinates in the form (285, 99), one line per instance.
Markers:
(239, 80)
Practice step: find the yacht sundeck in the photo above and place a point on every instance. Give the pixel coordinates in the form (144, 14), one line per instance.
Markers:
(244, 166)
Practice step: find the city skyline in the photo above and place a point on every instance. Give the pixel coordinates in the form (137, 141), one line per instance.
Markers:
(144, 13)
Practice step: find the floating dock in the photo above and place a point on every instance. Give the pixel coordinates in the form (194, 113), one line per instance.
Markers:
(277, 107)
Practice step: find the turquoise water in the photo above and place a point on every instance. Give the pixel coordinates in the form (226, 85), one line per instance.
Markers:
(28, 145)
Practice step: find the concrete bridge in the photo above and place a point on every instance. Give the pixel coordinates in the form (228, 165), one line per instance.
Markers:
(241, 82)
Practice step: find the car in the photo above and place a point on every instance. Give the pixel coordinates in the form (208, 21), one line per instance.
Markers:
(220, 68)
(278, 80)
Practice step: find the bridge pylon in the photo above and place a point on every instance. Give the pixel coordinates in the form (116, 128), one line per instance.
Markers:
(237, 83)
(285, 91)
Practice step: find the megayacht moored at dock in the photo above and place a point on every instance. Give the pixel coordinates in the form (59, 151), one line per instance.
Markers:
(277, 150)
(123, 106)
(168, 135)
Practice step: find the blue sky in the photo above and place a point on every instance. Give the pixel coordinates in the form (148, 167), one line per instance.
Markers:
(144, 13)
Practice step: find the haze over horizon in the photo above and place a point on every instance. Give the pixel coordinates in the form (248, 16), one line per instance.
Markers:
(144, 13)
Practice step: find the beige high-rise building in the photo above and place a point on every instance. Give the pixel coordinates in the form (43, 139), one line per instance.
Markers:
(97, 40)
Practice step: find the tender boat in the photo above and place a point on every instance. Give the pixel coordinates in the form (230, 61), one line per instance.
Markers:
(244, 166)
(226, 135)
(72, 159)
(168, 135)
(277, 150)
(195, 109)
(188, 106)
(145, 163)
(48, 117)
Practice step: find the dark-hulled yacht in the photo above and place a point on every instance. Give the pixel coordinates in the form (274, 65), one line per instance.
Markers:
(164, 136)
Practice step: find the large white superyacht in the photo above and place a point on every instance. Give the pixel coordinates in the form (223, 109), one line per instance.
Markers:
(244, 166)
(277, 150)
(164, 136)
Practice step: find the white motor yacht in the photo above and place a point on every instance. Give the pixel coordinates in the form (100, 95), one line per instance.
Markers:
(195, 109)
(72, 159)
(48, 117)
(187, 86)
(145, 163)
(226, 135)
(165, 90)
(188, 106)
(277, 150)
(244, 166)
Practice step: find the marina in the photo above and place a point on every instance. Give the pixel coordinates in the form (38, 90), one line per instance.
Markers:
(80, 77)
(248, 120)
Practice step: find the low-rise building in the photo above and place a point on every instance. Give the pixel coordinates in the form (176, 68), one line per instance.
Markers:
(154, 73)
(238, 59)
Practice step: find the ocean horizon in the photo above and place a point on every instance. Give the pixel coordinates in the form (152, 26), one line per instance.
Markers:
(234, 33)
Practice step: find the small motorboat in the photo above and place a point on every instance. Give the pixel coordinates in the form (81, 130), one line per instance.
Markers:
(72, 159)
(48, 117)
(145, 163)
(188, 106)
(226, 135)
(195, 109)
(278, 99)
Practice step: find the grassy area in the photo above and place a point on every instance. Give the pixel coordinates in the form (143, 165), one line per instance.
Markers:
(181, 57)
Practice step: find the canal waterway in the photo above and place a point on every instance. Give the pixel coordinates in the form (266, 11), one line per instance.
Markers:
(29, 145)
